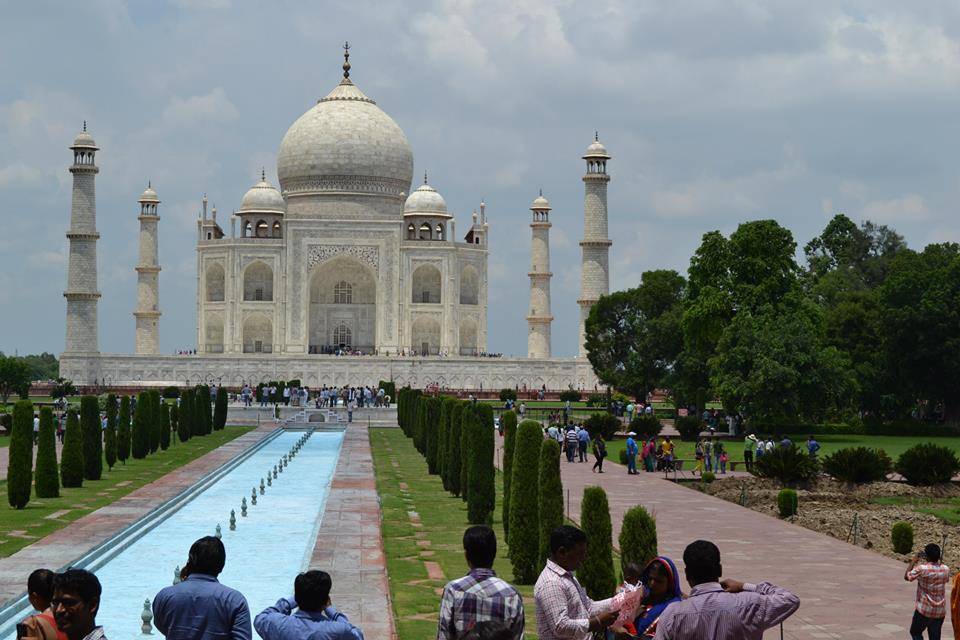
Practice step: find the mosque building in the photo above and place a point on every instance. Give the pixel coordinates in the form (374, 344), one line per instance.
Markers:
(342, 275)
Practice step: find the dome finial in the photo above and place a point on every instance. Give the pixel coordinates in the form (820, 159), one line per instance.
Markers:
(346, 60)
(84, 126)
(263, 174)
(149, 184)
(424, 176)
(541, 192)
(596, 136)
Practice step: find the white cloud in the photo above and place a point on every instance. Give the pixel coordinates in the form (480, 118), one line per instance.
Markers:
(47, 260)
(204, 4)
(903, 210)
(213, 107)
(21, 176)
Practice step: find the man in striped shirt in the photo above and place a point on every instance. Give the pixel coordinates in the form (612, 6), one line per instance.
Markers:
(931, 578)
(480, 595)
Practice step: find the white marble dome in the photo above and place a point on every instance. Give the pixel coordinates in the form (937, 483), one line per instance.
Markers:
(262, 197)
(540, 203)
(149, 195)
(345, 144)
(596, 150)
(84, 139)
(425, 200)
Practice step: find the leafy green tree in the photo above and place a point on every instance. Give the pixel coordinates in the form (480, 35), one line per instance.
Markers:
(596, 573)
(71, 458)
(140, 440)
(185, 415)
(123, 430)
(14, 378)
(454, 459)
(20, 461)
(47, 473)
(550, 491)
(92, 431)
(220, 411)
(110, 435)
(62, 388)
(638, 537)
(164, 426)
(508, 422)
(524, 527)
(43, 366)
(482, 478)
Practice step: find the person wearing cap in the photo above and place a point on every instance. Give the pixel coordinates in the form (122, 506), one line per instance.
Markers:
(749, 444)
(631, 454)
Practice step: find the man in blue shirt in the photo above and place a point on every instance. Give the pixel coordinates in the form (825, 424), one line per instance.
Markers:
(583, 436)
(631, 454)
(812, 446)
(315, 619)
(199, 607)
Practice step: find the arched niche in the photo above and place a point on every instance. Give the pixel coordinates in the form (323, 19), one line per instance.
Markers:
(468, 337)
(213, 334)
(214, 282)
(469, 285)
(258, 282)
(425, 335)
(258, 334)
(426, 284)
(343, 297)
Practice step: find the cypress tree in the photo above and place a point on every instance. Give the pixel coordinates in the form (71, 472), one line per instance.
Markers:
(47, 475)
(140, 441)
(185, 416)
(446, 406)
(199, 412)
(482, 477)
(420, 436)
(20, 461)
(208, 417)
(92, 431)
(154, 430)
(525, 535)
(164, 425)
(174, 424)
(508, 421)
(220, 412)
(123, 430)
(71, 459)
(110, 435)
(550, 491)
(432, 431)
(596, 573)
(638, 537)
(452, 468)
(466, 449)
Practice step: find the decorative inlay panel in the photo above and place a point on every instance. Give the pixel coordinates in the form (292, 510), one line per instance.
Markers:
(367, 254)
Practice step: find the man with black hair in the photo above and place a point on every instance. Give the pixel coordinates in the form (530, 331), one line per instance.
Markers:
(722, 609)
(563, 608)
(75, 602)
(479, 596)
(41, 625)
(316, 618)
(199, 607)
(931, 577)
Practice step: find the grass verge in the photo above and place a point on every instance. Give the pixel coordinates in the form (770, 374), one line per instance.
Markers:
(41, 517)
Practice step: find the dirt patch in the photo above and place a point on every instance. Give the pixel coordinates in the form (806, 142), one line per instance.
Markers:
(829, 507)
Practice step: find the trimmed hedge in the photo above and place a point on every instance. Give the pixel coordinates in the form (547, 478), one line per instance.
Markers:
(174, 424)
(550, 493)
(508, 394)
(155, 428)
(140, 440)
(454, 439)
(389, 389)
(482, 476)
(110, 435)
(466, 449)
(201, 404)
(646, 426)
(596, 573)
(570, 395)
(220, 411)
(707, 477)
(185, 418)
(47, 474)
(164, 426)
(901, 535)
(123, 430)
(20, 461)
(789, 465)
(431, 429)
(508, 423)
(689, 428)
(638, 538)
(603, 423)
(524, 531)
(928, 464)
(71, 458)
(858, 465)
(443, 428)
(171, 392)
(92, 432)
(898, 428)
(787, 503)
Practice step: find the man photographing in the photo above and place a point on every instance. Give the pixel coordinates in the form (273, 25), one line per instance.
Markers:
(931, 577)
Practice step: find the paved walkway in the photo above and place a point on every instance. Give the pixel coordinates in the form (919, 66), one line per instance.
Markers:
(846, 591)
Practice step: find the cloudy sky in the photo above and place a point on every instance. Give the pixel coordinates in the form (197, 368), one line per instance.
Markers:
(715, 112)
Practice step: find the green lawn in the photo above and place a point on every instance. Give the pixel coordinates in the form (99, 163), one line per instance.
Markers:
(20, 528)
(947, 509)
(416, 598)
(893, 445)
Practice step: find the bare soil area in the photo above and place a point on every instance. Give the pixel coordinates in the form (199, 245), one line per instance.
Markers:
(829, 507)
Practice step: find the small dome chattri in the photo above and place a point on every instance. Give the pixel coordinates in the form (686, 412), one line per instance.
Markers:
(149, 195)
(596, 149)
(425, 200)
(540, 203)
(84, 139)
(263, 197)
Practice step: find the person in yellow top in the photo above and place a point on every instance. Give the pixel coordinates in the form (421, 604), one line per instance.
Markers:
(667, 447)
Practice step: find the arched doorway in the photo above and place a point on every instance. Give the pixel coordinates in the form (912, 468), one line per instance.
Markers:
(468, 336)
(425, 335)
(257, 334)
(426, 285)
(343, 309)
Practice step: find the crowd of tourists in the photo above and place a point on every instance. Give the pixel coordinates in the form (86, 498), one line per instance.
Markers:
(326, 397)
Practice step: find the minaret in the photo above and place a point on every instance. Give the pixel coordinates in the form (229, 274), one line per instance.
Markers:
(595, 266)
(538, 338)
(148, 277)
(81, 293)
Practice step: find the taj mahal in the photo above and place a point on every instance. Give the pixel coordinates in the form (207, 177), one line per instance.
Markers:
(345, 274)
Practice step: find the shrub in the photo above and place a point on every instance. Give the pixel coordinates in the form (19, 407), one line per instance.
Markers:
(789, 465)
(110, 435)
(443, 425)
(432, 429)
(185, 417)
(624, 460)
(570, 395)
(220, 410)
(6, 423)
(208, 410)
(174, 425)
(123, 430)
(901, 535)
(508, 422)
(689, 428)
(466, 449)
(200, 412)
(454, 459)
(140, 439)
(419, 426)
(858, 465)
(482, 478)
(20, 461)
(164, 426)
(708, 477)
(928, 464)
(524, 531)
(92, 432)
(787, 503)
(47, 478)
(171, 392)
(646, 426)
(293, 383)
(389, 388)
(603, 423)
(596, 400)
(71, 458)
(596, 573)
(638, 537)
(155, 427)
(508, 394)
(550, 492)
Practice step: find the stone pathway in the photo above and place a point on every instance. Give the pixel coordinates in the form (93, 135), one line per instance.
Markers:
(62, 547)
(845, 591)
(5, 457)
(349, 545)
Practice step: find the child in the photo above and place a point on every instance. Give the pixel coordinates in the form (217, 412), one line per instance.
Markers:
(723, 462)
(698, 454)
(628, 599)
